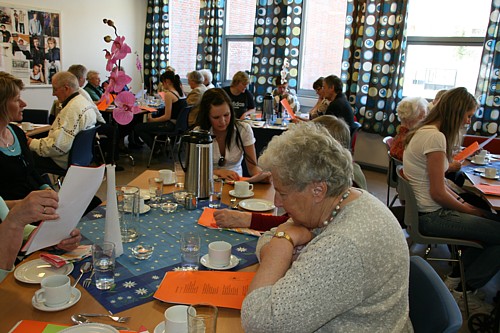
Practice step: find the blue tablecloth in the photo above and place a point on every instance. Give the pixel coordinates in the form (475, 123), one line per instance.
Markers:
(137, 280)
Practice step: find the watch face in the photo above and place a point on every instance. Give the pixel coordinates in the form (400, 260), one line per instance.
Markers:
(280, 234)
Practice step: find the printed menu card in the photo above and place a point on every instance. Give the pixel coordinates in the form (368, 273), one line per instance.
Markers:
(223, 289)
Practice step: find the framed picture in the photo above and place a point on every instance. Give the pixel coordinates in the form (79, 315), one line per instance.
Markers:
(31, 43)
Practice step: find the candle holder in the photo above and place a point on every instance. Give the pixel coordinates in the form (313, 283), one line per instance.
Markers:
(142, 251)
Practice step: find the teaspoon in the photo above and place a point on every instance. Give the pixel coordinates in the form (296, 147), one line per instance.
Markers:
(86, 267)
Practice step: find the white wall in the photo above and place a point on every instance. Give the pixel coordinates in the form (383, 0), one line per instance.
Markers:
(82, 33)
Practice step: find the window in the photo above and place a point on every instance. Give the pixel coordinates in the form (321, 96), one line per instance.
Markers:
(238, 37)
(184, 22)
(323, 41)
(445, 41)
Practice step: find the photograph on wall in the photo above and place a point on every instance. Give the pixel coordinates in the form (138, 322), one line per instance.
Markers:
(31, 43)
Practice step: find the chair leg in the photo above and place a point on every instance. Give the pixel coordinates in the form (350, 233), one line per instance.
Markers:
(462, 279)
(388, 195)
(152, 150)
(394, 199)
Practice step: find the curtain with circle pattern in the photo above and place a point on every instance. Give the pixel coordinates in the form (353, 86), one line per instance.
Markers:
(486, 119)
(276, 36)
(209, 53)
(373, 61)
(156, 43)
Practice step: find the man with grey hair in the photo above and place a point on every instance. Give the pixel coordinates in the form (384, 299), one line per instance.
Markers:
(195, 81)
(77, 114)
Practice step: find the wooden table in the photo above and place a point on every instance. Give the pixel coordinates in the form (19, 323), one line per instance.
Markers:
(39, 130)
(15, 296)
(493, 200)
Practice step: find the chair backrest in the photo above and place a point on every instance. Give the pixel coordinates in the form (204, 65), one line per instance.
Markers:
(392, 177)
(432, 307)
(388, 142)
(354, 132)
(36, 116)
(82, 150)
(181, 124)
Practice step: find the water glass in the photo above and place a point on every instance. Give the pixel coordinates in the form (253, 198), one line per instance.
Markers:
(128, 200)
(190, 250)
(155, 191)
(103, 258)
(216, 193)
(202, 318)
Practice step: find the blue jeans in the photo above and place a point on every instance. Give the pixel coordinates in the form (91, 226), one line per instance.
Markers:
(480, 264)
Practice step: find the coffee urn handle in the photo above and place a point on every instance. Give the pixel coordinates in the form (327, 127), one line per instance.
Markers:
(183, 139)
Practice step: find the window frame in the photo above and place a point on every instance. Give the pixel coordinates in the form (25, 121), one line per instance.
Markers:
(226, 39)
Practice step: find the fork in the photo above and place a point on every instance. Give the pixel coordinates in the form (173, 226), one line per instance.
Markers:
(114, 318)
(86, 283)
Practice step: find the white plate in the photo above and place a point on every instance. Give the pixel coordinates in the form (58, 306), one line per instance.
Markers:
(256, 205)
(145, 194)
(35, 270)
(480, 170)
(73, 299)
(248, 195)
(160, 328)
(233, 262)
(169, 183)
(484, 176)
(477, 163)
(91, 327)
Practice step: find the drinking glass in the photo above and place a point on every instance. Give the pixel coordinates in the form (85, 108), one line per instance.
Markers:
(103, 258)
(190, 250)
(128, 200)
(216, 193)
(155, 191)
(202, 318)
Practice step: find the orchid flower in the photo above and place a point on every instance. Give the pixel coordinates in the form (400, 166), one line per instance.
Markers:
(111, 62)
(125, 108)
(119, 49)
(118, 80)
(138, 63)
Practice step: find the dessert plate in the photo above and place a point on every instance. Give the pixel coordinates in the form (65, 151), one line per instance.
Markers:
(73, 299)
(256, 205)
(90, 327)
(35, 270)
(240, 196)
(233, 262)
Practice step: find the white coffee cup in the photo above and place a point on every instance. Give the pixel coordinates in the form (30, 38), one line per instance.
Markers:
(479, 159)
(141, 204)
(219, 253)
(490, 172)
(26, 126)
(483, 152)
(242, 188)
(168, 176)
(176, 319)
(55, 291)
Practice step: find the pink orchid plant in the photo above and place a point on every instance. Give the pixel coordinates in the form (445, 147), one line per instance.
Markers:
(124, 101)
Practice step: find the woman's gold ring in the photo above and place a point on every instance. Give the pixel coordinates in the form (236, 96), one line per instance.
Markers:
(44, 209)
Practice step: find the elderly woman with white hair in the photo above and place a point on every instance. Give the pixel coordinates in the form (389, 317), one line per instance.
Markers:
(341, 262)
(207, 78)
(411, 110)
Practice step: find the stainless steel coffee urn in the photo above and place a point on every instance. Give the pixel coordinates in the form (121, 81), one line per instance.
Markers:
(198, 167)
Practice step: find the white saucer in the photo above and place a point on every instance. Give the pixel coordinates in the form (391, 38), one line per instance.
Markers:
(480, 170)
(73, 299)
(146, 209)
(248, 195)
(169, 183)
(484, 176)
(477, 163)
(35, 270)
(256, 205)
(233, 262)
(160, 328)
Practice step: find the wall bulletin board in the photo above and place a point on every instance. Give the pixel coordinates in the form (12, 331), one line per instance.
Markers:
(30, 44)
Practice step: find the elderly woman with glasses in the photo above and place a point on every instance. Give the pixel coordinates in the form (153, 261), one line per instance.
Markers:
(234, 140)
(340, 264)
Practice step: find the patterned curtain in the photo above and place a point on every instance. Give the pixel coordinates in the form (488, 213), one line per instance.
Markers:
(486, 119)
(156, 43)
(373, 61)
(209, 54)
(277, 36)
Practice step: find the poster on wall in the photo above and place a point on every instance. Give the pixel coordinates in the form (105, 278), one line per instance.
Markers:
(31, 43)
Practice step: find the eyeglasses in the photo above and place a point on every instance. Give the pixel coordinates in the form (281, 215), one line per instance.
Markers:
(222, 161)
